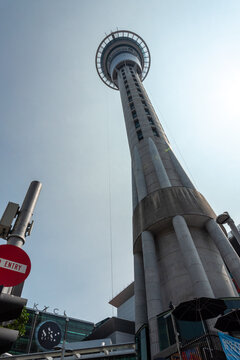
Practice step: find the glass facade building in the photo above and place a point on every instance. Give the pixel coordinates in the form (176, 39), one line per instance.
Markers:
(77, 330)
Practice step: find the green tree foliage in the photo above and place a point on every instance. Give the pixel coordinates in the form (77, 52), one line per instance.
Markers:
(20, 323)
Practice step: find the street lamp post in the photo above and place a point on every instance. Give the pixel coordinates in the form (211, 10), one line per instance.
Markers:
(225, 218)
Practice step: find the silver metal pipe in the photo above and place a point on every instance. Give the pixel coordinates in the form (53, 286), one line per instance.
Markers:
(17, 236)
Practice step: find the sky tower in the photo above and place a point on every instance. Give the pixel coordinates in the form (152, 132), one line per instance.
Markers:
(180, 252)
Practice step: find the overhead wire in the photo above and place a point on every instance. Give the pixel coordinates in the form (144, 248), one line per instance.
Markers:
(110, 200)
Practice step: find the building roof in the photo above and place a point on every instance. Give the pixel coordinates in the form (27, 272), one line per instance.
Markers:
(123, 296)
(110, 326)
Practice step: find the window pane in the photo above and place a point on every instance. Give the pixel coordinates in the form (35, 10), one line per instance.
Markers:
(155, 132)
(134, 114)
(163, 335)
(189, 330)
(137, 125)
(139, 135)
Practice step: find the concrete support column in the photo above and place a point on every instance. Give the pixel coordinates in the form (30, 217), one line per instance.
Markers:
(139, 292)
(158, 165)
(200, 282)
(181, 173)
(134, 192)
(152, 284)
(228, 253)
(139, 175)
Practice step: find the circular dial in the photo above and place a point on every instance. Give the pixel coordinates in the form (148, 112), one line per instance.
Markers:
(49, 334)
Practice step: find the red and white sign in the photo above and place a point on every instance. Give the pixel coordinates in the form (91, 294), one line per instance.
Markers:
(15, 265)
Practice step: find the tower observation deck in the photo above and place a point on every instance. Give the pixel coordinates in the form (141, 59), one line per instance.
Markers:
(180, 252)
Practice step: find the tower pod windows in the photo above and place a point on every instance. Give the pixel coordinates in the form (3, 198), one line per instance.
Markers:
(134, 114)
(130, 98)
(132, 106)
(128, 92)
(137, 124)
(155, 132)
(150, 120)
(147, 111)
(144, 103)
(139, 135)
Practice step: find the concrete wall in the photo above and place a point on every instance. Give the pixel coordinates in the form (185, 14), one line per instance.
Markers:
(126, 311)
(119, 337)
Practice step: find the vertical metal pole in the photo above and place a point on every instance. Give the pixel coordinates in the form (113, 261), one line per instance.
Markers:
(64, 338)
(18, 233)
(176, 335)
(206, 333)
(34, 321)
(17, 236)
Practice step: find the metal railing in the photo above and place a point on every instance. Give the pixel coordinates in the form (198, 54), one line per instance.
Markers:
(206, 347)
(100, 352)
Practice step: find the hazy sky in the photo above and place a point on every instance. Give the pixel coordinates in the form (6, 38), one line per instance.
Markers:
(62, 126)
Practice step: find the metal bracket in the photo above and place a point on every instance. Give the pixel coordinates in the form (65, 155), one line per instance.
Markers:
(9, 214)
(29, 228)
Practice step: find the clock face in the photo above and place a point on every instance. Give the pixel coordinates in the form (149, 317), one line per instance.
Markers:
(49, 335)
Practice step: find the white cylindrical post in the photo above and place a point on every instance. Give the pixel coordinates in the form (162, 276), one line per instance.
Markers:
(200, 282)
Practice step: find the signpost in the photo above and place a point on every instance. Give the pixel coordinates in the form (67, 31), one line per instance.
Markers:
(15, 265)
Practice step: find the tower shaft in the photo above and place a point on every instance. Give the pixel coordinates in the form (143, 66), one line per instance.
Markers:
(180, 253)
(180, 260)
